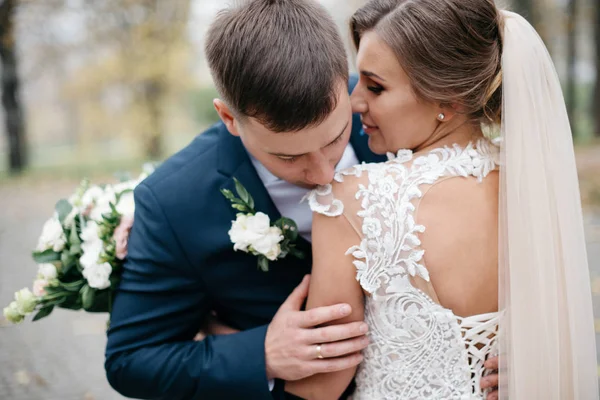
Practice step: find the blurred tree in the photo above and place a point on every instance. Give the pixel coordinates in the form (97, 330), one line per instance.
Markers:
(118, 69)
(526, 9)
(10, 88)
(596, 103)
(141, 62)
(571, 83)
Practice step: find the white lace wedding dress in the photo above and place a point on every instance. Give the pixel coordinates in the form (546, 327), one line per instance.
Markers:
(419, 349)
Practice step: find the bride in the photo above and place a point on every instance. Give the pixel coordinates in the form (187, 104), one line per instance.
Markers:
(460, 247)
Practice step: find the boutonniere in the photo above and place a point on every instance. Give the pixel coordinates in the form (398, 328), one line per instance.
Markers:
(252, 232)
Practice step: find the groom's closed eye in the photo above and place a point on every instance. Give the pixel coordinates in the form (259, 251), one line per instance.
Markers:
(292, 158)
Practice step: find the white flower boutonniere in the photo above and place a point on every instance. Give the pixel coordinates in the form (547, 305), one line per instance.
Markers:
(252, 232)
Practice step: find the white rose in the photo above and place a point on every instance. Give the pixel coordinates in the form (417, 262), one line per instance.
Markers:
(53, 236)
(239, 234)
(268, 244)
(91, 254)
(12, 314)
(70, 218)
(126, 206)
(89, 233)
(39, 287)
(259, 223)
(125, 185)
(98, 275)
(103, 204)
(26, 301)
(47, 271)
(91, 196)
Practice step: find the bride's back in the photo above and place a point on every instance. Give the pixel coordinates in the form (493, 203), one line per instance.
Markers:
(461, 243)
(427, 260)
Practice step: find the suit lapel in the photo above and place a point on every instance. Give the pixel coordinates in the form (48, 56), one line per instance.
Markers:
(234, 162)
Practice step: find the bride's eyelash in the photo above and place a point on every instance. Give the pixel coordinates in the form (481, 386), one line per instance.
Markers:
(377, 89)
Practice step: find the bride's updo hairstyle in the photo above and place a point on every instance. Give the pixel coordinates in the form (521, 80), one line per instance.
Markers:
(450, 49)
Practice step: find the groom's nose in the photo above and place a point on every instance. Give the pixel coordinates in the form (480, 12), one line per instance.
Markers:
(320, 171)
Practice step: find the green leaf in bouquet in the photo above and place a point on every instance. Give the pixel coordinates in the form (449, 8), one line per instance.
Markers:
(67, 259)
(47, 256)
(75, 249)
(63, 208)
(74, 238)
(119, 195)
(44, 312)
(72, 286)
(263, 264)
(87, 296)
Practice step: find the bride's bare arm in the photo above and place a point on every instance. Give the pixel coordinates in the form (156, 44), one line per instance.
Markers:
(333, 281)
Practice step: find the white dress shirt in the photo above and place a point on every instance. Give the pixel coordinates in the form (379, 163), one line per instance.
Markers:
(288, 197)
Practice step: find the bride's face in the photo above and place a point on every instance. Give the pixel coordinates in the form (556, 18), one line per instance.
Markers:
(392, 115)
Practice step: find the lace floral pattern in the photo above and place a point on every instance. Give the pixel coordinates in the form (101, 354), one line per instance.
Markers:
(419, 349)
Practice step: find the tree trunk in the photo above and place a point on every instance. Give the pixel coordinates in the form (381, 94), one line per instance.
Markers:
(571, 95)
(525, 9)
(10, 88)
(596, 104)
(154, 101)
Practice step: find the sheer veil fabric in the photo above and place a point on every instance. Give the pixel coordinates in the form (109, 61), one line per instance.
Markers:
(547, 340)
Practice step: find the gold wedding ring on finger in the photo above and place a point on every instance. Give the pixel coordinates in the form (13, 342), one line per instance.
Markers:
(319, 355)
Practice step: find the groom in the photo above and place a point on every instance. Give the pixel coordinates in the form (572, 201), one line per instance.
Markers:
(282, 73)
(281, 70)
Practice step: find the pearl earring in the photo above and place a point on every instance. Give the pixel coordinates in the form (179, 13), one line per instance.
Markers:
(441, 116)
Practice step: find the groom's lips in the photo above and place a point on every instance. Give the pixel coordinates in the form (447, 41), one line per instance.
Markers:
(369, 129)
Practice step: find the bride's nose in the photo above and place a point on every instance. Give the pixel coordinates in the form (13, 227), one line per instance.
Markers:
(359, 105)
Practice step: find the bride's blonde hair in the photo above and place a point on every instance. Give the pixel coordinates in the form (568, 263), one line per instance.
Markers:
(450, 49)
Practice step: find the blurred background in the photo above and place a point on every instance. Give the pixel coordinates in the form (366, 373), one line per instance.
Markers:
(97, 88)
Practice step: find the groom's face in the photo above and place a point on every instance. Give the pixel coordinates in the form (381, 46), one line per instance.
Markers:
(306, 158)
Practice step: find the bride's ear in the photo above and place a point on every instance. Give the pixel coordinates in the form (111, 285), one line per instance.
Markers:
(447, 112)
(226, 116)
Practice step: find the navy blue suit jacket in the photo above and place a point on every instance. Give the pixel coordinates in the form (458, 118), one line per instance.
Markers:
(181, 265)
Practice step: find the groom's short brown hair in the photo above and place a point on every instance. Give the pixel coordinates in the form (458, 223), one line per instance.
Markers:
(281, 62)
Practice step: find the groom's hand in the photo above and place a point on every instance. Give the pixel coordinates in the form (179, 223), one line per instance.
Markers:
(491, 381)
(291, 344)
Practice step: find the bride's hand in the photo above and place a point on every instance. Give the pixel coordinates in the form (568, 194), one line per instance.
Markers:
(491, 381)
(213, 326)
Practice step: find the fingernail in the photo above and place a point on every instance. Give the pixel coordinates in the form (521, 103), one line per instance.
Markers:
(365, 341)
(345, 309)
(364, 328)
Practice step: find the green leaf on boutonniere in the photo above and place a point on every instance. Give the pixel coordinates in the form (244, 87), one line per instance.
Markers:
(243, 193)
(296, 253)
(245, 202)
(263, 263)
(288, 227)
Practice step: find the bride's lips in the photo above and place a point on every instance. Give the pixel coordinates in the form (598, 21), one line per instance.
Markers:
(369, 129)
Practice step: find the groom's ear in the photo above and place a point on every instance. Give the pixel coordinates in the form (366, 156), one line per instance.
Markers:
(226, 116)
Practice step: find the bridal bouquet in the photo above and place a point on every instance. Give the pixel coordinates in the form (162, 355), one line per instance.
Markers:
(80, 252)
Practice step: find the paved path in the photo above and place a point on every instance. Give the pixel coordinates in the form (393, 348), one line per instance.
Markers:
(61, 357)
